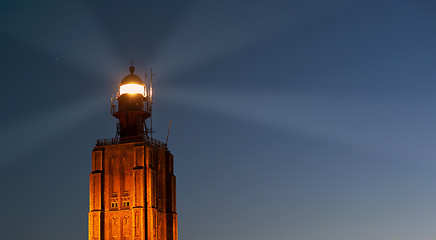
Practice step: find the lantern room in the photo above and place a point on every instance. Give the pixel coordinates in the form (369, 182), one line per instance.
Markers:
(132, 106)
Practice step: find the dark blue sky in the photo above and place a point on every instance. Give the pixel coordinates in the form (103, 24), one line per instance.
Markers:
(290, 119)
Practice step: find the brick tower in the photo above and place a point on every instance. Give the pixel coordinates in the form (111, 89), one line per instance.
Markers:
(132, 187)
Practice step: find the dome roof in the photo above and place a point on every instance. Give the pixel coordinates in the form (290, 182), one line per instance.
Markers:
(132, 78)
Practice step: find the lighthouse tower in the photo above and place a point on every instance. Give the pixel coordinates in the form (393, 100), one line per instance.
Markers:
(132, 187)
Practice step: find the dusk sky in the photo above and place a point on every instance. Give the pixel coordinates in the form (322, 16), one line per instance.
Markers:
(299, 120)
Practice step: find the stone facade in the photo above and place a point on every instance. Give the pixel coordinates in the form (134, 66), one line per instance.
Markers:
(132, 193)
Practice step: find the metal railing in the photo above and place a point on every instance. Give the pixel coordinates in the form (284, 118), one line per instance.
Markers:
(111, 141)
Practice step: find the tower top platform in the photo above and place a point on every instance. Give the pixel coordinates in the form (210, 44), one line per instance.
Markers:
(119, 140)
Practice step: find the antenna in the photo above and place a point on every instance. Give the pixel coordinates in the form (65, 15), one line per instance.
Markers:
(145, 80)
(151, 102)
(151, 84)
(168, 134)
(147, 92)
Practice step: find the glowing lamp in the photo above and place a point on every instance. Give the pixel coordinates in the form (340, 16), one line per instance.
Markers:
(132, 88)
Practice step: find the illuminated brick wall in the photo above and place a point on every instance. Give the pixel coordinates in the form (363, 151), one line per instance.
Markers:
(132, 193)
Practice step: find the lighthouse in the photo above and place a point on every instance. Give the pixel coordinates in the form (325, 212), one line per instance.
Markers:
(132, 186)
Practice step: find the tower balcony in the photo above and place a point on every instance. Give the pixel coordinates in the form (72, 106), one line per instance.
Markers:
(118, 140)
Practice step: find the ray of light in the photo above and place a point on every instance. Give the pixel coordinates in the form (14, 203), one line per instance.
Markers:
(201, 37)
(28, 134)
(379, 124)
(78, 39)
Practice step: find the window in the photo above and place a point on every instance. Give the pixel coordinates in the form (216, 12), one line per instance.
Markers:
(126, 203)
